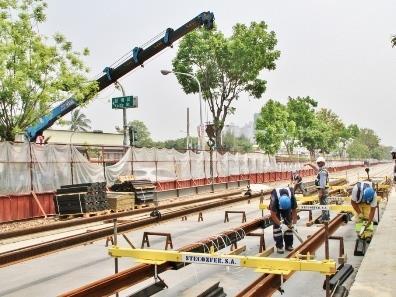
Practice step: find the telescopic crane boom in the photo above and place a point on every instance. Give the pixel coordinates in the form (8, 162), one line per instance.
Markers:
(111, 75)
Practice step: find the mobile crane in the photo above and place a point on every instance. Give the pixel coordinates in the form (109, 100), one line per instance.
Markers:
(111, 75)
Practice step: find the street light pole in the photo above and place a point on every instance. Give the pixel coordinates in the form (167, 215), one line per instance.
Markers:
(201, 135)
(118, 86)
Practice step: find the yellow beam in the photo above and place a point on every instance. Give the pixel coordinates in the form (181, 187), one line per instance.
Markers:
(333, 207)
(271, 265)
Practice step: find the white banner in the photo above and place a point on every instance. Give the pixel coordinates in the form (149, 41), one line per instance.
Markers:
(211, 259)
(314, 207)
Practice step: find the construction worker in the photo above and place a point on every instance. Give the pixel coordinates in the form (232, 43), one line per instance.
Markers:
(322, 185)
(394, 172)
(283, 207)
(297, 181)
(364, 202)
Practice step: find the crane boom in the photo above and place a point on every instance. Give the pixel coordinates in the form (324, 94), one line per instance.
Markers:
(111, 75)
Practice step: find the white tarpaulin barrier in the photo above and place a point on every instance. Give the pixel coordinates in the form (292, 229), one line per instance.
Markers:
(44, 168)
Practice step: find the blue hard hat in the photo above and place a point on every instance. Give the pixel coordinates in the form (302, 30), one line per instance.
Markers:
(368, 194)
(284, 202)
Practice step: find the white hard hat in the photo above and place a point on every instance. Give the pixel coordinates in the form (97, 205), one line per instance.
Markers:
(320, 160)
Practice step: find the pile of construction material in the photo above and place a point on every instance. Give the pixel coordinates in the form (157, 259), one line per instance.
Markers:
(144, 190)
(81, 198)
(119, 201)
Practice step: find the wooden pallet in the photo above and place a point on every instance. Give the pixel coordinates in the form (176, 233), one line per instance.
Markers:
(83, 215)
(140, 206)
(121, 210)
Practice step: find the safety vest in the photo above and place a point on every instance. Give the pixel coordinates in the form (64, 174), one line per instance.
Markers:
(278, 195)
(317, 180)
(361, 187)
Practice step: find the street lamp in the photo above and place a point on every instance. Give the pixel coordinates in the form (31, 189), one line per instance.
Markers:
(118, 86)
(201, 136)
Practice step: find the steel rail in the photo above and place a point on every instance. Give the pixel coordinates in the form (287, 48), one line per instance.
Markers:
(268, 284)
(127, 278)
(81, 221)
(26, 253)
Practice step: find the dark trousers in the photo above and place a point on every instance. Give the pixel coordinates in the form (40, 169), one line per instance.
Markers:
(300, 187)
(324, 201)
(279, 238)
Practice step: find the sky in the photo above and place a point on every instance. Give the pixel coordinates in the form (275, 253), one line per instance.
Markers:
(335, 51)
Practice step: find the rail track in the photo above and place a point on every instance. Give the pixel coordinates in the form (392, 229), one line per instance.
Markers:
(140, 219)
(264, 286)
(40, 249)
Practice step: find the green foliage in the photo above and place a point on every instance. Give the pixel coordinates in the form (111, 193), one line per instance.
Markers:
(333, 131)
(367, 145)
(272, 126)
(358, 150)
(393, 41)
(78, 122)
(233, 143)
(178, 144)
(346, 135)
(302, 112)
(35, 72)
(226, 66)
(143, 134)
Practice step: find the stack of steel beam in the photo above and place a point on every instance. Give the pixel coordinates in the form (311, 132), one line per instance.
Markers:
(81, 198)
(144, 189)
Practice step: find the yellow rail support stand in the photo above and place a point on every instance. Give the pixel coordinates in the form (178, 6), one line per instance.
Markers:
(281, 266)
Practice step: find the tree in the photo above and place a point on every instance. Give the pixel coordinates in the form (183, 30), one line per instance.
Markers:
(233, 143)
(346, 135)
(316, 137)
(367, 145)
(178, 144)
(78, 122)
(35, 72)
(143, 133)
(272, 127)
(226, 66)
(393, 41)
(335, 129)
(358, 150)
(301, 110)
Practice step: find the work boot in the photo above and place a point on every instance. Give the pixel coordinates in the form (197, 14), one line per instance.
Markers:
(280, 250)
(289, 248)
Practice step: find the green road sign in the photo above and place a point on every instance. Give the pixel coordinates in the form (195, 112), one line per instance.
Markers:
(124, 102)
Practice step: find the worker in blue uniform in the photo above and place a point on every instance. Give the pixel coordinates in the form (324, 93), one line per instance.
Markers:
(283, 208)
(364, 202)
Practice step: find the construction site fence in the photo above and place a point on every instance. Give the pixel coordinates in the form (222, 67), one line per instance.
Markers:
(27, 167)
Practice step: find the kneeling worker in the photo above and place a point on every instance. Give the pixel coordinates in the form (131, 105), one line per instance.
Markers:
(364, 202)
(283, 206)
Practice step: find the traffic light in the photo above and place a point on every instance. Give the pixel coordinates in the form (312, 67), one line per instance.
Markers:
(133, 136)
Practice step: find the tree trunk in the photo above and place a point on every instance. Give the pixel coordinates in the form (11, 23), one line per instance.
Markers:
(218, 131)
(312, 154)
(9, 135)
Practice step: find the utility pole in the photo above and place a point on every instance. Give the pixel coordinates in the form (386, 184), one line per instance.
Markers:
(118, 86)
(188, 129)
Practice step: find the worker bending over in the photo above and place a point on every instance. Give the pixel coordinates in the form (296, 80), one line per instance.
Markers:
(298, 183)
(364, 202)
(322, 185)
(283, 206)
